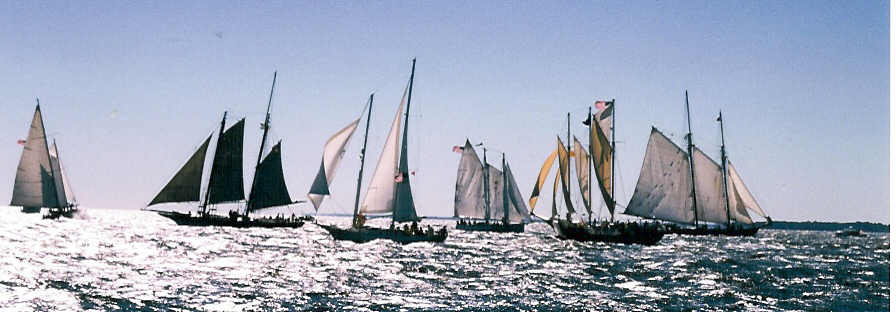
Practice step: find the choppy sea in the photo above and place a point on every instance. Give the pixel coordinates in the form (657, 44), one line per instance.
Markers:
(139, 261)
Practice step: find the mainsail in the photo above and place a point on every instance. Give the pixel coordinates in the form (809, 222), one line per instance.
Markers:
(495, 193)
(583, 173)
(710, 193)
(403, 209)
(542, 176)
(334, 150)
(468, 191)
(270, 188)
(34, 185)
(185, 184)
(381, 191)
(602, 158)
(563, 155)
(664, 187)
(226, 179)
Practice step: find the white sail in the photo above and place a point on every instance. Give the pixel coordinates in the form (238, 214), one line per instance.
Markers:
(57, 176)
(664, 186)
(496, 193)
(583, 172)
(518, 210)
(34, 185)
(381, 192)
(710, 193)
(740, 198)
(468, 195)
(334, 150)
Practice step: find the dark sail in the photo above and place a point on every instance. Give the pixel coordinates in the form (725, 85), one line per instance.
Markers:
(185, 185)
(269, 189)
(320, 185)
(403, 209)
(226, 181)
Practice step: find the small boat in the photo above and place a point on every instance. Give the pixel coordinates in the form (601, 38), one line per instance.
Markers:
(850, 232)
(476, 195)
(40, 178)
(693, 192)
(389, 191)
(225, 182)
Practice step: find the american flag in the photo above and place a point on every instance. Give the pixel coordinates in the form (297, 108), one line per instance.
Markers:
(21, 142)
(600, 105)
(457, 149)
(399, 177)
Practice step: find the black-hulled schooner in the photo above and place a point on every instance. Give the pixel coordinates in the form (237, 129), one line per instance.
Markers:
(600, 156)
(225, 182)
(689, 189)
(40, 178)
(389, 191)
(486, 198)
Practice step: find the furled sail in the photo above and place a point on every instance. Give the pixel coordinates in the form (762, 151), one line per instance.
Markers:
(542, 175)
(740, 198)
(270, 188)
(334, 150)
(583, 173)
(58, 177)
(468, 191)
(496, 193)
(225, 182)
(34, 185)
(663, 190)
(381, 191)
(185, 184)
(518, 211)
(710, 193)
(563, 155)
(602, 158)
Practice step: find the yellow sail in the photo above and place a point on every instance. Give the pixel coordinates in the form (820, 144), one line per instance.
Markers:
(602, 156)
(583, 172)
(563, 155)
(542, 175)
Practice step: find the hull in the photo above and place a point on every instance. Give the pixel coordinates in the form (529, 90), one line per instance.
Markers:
(492, 227)
(240, 222)
(366, 234)
(619, 233)
(30, 209)
(55, 213)
(739, 231)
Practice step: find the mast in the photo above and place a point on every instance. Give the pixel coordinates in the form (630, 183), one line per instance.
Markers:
(204, 205)
(488, 204)
(363, 153)
(568, 160)
(590, 200)
(725, 170)
(49, 159)
(504, 190)
(687, 106)
(264, 136)
(613, 160)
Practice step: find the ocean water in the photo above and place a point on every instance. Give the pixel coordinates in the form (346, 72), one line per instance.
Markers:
(138, 261)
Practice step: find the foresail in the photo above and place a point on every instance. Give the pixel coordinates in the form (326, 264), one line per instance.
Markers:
(34, 185)
(518, 210)
(563, 155)
(468, 190)
(270, 188)
(741, 198)
(57, 176)
(663, 190)
(583, 173)
(602, 159)
(710, 193)
(542, 175)
(226, 179)
(381, 191)
(186, 183)
(334, 150)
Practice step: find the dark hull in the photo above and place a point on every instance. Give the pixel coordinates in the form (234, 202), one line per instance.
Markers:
(743, 231)
(30, 209)
(213, 220)
(366, 234)
(632, 233)
(492, 227)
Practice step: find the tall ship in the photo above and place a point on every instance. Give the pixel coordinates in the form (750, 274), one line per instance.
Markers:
(40, 178)
(693, 192)
(225, 182)
(389, 191)
(487, 198)
(599, 156)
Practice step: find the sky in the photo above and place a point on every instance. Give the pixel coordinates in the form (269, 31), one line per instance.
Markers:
(130, 90)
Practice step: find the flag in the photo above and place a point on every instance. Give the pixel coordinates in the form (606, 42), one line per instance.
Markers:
(719, 119)
(458, 149)
(399, 177)
(600, 105)
(21, 142)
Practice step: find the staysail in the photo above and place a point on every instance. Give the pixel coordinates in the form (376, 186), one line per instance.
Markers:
(334, 150)
(563, 155)
(496, 193)
(58, 177)
(518, 211)
(34, 185)
(270, 189)
(226, 179)
(740, 198)
(542, 176)
(602, 158)
(381, 191)
(468, 191)
(70, 198)
(664, 187)
(583, 173)
(709, 186)
(185, 184)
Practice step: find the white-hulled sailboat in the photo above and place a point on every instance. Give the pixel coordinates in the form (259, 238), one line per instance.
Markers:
(389, 191)
(40, 179)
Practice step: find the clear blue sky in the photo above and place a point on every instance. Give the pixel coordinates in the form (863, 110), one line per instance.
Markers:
(130, 90)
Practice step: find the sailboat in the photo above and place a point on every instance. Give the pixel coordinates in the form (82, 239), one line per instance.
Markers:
(687, 187)
(225, 182)
(40, 179)
(485, 198)
(601, 158)
(389, 191)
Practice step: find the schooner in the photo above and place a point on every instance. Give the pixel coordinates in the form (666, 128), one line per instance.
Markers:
(389, 191)
(40, 179)
(225, 181)
(486, 198)
(686, 187)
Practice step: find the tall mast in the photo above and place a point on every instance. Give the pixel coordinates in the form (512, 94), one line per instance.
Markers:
(264, 137)
(568, 159)
(363, 153)
(204, 205)
(488, 204)
(590, 150)
(504, 190)
(687, 106)
(725, 170)
(50, 159)
(613, 159)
